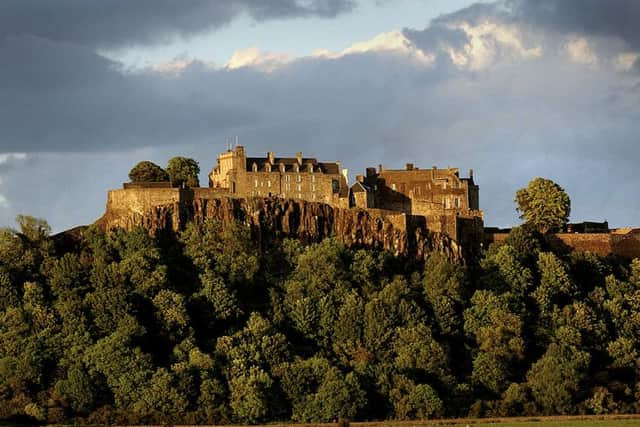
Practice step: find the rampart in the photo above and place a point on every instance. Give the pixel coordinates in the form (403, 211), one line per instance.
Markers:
(622, 242)
(272, 218)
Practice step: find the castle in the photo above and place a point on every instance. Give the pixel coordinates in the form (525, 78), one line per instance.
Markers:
(441, 196)
(408, 210)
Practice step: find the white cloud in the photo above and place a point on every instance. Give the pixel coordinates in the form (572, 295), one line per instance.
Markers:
(490, 43)
(625, 61)
(255, 58)
(6, 158)
(391, 42)
(579, 50)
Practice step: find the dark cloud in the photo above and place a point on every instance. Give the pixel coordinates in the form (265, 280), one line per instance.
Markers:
(85, 121)
(116, 23)
(61, 97)
(606, 18)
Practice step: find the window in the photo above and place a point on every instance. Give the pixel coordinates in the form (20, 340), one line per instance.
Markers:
(287, 186)
(255, 183)
(313, 178)
(298, 178)
(269, 183)
(299, 187)
(287, 178)
(393, 187)
(313, 188)
(456, 202)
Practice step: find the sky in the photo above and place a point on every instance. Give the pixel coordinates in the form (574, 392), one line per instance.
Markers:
(513, 89)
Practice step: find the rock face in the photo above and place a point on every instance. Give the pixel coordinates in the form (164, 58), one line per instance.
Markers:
(273, 219)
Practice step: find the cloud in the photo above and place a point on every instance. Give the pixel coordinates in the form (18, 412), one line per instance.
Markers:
(8, 162)
(611, 18)
(253, 57)
(57, 96)
(494, 92)
(123, 23)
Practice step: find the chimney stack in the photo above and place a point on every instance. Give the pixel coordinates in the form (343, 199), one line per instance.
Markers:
(270, 157)
(409, 166)
(299, 157)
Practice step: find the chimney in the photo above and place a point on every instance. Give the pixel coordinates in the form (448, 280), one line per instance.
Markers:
(471, 173)
(360, 179)
(270, 157)
(299, 157)
(380, 168)
(409, 166)
(371, 172)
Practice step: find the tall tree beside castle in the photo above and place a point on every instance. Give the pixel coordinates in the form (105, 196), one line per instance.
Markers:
(183, 171)
(544, 205)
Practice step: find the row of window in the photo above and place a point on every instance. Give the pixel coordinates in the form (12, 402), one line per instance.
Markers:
(296, 168)
(417, 189)
(287, 186)
(284, 194)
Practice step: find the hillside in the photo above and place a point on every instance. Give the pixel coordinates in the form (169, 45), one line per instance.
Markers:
(207, 325)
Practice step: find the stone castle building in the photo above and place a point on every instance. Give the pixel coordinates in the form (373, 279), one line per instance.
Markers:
(287, 177)
(441, 196)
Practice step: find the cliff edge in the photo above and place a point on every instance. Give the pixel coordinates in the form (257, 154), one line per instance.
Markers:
(274, 218)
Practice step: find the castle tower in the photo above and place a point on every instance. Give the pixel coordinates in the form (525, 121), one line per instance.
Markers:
(229, 163)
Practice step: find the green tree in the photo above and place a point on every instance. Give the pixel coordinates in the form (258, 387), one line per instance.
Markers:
(556, 379)
(147, 171)
(411, 401)
(183, 171)
(555, 283)
(544, 205)
(444, 289)
(319, 391)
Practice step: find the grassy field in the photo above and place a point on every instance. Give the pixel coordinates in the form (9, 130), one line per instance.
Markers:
(522, 422)
(575, 423)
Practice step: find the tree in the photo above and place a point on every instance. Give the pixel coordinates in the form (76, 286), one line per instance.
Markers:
(544, 205)
(147, 171)
(183, 171)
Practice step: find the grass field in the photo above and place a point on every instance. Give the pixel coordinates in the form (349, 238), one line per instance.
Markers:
(505, 422)
(576, 423)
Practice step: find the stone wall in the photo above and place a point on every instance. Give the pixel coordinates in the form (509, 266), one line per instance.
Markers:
(624, 244)
(275, 218)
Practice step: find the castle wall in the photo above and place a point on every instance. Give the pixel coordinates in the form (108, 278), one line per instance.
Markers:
(626, 245)
(140, 200)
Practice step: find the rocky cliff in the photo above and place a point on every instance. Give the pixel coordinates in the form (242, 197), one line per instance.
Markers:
(274, 218)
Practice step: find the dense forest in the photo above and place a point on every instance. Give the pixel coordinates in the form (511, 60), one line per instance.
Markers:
(204, 327)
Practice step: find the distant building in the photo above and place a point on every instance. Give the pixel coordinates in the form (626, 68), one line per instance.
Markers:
(288, 177)
(440, 195)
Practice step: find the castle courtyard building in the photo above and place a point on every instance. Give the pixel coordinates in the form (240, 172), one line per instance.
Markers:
(287, 177)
